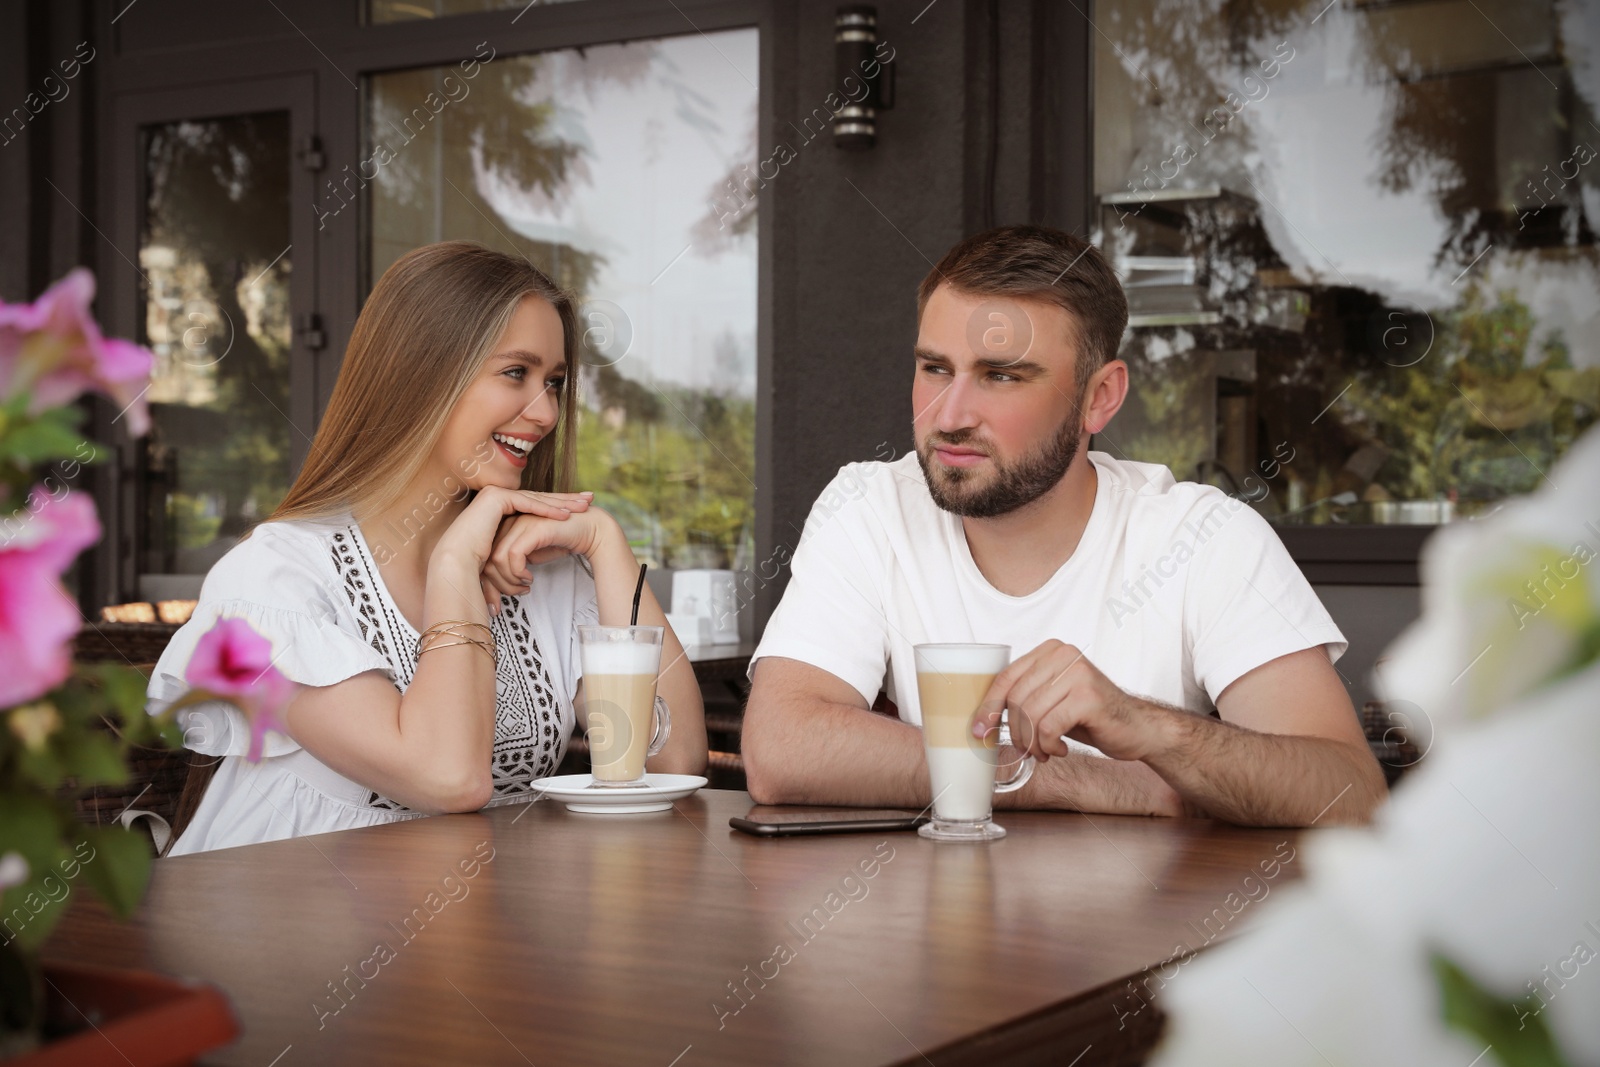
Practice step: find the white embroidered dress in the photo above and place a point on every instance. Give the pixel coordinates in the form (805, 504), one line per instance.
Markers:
(314, 591)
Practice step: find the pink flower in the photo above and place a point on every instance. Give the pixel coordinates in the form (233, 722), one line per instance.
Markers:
(37, 617)
(53, 349)
(234, 662)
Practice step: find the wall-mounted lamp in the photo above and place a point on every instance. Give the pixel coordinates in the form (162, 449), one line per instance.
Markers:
(865, 76)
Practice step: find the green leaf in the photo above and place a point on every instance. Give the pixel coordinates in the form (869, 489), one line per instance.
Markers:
(32, 826)
(28, 912)
(119, 869)
(40, 766)
(126, 689)
(52, 435)
(1513, 1029)
(93, 758)
(73, 700)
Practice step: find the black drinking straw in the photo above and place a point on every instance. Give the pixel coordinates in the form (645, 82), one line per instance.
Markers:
(638, 592)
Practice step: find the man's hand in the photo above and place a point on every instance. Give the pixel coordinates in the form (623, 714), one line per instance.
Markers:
(1287, 750)
(1055, 690)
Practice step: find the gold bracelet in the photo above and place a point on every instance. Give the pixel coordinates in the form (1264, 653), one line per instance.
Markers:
(449, 629)
(488, 649)
(449, 624)
(441, 629)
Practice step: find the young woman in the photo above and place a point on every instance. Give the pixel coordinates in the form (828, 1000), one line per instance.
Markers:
(434, 510)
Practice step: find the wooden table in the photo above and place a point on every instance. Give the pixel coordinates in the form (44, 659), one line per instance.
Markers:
(582, 939)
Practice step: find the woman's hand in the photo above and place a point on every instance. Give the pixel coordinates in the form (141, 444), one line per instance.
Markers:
(529, 540)
(471, 537)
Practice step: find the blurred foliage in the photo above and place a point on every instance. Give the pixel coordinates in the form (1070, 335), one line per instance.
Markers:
(52, 751)
(29, 441)
(1513, 1029)
(1165, 423)
(1477, 416)
(1499, 398)
(682, 457)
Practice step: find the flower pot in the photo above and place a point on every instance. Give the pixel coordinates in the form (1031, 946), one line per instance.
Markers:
(136, 1017)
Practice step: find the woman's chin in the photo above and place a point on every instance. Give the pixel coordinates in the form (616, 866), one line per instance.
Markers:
(504, 481)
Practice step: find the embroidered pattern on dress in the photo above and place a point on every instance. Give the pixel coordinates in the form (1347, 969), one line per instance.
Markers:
(529, 738)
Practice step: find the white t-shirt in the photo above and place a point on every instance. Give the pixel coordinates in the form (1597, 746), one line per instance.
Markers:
(314, 591)
(1175, 590)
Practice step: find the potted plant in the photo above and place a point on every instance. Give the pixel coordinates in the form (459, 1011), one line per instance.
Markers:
(53, 741)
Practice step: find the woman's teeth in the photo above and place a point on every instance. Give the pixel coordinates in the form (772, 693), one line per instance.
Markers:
(517, 445)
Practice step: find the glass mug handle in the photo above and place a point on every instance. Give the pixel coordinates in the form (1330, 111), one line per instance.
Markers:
(1024, 767)
(1019, 779)
(663, 716)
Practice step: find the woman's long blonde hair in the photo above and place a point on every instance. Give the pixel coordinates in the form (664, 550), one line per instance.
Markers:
(424, 334)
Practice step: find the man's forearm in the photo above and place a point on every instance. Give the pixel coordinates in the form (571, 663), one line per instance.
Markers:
(828, 753)
(1079, 782)
(1261, 779)
(846, 756)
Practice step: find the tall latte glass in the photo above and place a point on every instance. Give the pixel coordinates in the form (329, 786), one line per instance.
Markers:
(628, 723)
(962, 769)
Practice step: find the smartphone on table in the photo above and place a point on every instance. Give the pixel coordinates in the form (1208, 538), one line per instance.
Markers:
(786, 822)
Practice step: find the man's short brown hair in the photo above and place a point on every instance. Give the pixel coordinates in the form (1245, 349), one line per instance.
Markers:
(1034, 263)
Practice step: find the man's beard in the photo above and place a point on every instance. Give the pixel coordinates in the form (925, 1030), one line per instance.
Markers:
(1013, 485)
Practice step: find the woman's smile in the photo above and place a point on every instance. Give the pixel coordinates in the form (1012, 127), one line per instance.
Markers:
(515, 447)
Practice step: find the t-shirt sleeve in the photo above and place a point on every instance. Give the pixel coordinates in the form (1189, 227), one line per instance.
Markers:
(269, 580)
(832, 612)
(1247, 603)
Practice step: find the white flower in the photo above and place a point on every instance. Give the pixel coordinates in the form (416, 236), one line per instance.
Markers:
(1506, 601)
(13, 870)
(1487, 855)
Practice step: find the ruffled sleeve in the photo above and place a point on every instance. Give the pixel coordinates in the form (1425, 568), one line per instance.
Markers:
(277, 581)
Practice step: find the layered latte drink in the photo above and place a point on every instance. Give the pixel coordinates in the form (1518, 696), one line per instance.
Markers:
(951, 683)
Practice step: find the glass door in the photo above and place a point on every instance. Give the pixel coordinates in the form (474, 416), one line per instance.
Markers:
(223, 300)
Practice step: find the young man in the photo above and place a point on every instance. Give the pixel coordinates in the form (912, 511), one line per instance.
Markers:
(1158, 623)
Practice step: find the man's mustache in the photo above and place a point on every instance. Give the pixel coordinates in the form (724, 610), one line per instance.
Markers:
(960, 439)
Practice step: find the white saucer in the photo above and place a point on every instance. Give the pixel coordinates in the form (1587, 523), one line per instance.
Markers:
(579, 793)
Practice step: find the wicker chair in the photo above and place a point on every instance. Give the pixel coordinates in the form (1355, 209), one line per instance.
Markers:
(158, 778)
(137, 644)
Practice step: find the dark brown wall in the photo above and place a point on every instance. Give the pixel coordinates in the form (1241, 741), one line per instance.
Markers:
(969, 144)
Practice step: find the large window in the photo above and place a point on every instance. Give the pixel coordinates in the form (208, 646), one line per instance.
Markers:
(1358, 244)
(610, 167)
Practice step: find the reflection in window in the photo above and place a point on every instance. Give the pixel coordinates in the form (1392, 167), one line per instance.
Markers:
(603, 166)
(1358, 245)
(214, 256)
